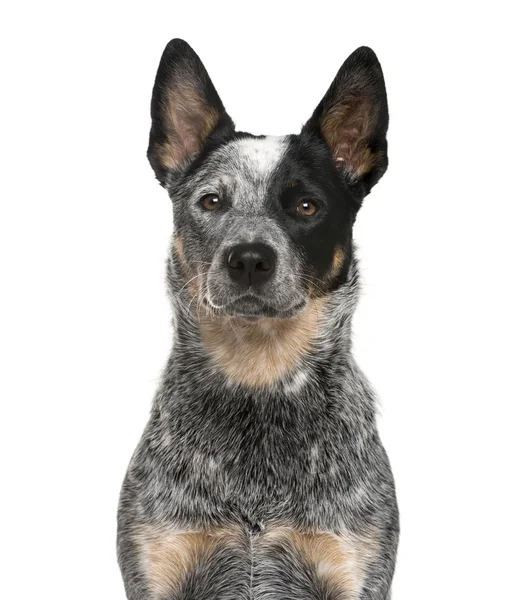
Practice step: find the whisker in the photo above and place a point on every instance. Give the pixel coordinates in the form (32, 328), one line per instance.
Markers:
(304, 279)
(188, 282)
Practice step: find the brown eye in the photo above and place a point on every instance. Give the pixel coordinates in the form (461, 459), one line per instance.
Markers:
(210, 202)
(307, 208)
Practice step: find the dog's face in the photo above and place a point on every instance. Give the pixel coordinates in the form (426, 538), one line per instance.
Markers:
(264, 224)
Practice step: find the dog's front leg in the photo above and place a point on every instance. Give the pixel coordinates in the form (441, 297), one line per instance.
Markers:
(161, 561)
(379, 574)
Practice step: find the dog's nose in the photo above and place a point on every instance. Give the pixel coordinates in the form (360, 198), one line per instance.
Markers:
(251, 264)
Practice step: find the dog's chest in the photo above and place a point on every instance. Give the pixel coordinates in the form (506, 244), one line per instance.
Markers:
(259, 495)
(256, 462)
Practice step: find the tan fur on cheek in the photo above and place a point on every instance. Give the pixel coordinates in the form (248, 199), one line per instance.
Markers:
(193, 277)
(179, 250)
(341, 560)
(337, 264)
(259, 353)
(167, 555)
(318, 288)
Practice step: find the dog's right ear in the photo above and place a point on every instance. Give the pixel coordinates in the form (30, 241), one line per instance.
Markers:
(186, 110)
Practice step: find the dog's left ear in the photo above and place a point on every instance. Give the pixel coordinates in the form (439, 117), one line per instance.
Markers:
(352, 119)
(186, 110)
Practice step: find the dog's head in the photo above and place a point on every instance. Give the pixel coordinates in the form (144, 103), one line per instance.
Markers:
(264, 224)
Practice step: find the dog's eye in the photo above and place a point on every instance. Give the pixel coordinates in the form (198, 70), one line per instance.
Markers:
(210, 202)
(307, 208)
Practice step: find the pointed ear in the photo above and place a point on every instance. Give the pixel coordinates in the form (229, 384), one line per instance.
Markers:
(352, 119)
(186, 110)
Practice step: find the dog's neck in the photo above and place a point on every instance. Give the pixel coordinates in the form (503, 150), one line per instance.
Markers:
(266, 354)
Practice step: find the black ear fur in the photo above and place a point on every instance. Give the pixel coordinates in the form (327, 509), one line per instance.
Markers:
(352, 119)
(185, 109)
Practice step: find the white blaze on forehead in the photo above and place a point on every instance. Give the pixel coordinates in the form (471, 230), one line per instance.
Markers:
(246, 165)
(242, 170)
(251, 163)
(260, 155)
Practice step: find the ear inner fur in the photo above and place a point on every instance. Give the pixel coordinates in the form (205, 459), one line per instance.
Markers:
(346, 130)
(352, 118)
(185, 110)
(188, 123)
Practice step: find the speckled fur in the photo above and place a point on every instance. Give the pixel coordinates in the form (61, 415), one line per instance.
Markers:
(281, 491)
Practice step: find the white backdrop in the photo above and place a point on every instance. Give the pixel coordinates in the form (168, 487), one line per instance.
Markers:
(84, 228)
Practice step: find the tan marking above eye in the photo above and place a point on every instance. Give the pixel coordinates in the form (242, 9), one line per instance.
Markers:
(307, 208)
(211, 202)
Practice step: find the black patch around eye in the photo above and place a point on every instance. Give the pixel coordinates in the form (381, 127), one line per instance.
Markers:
(296, 193)
(307, 172)
(307, 208)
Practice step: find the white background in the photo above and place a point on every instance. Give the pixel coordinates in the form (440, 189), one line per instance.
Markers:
(84, 228)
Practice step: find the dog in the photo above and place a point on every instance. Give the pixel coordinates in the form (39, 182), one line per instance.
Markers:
(260, 474)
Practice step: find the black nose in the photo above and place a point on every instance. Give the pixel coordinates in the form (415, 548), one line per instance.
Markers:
(251, 264)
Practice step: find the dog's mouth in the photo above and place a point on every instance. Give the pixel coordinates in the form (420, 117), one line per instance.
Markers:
(252, 307)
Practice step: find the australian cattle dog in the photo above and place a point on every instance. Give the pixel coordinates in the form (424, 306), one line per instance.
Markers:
(260, 474)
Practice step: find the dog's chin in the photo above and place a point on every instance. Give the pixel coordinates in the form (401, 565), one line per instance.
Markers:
(253, 308)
